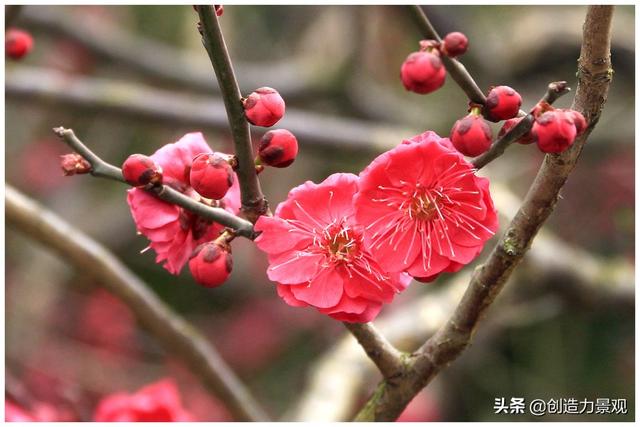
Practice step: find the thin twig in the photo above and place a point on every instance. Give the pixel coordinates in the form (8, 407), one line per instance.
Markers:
(456, 70)
(253, 202)
(177, 335)
(554, 91)
(595, 75)
(386, 357)
(102, 169)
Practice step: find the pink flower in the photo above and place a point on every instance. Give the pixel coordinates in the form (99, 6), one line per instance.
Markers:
(423, 209)
(159, 401)
(174, 232)
(316, 253)
(38, 412)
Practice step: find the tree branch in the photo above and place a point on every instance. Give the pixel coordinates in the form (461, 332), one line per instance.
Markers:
(171, 330)
(386, 357)
(253, 202)
(102, 169)
(135, 102)
(456, 70)
(595, 74)
(554, 91)
(166, 64)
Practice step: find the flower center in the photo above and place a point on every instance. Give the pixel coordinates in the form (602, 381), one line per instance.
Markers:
(422, 208)
(424, 204)
(340, 243)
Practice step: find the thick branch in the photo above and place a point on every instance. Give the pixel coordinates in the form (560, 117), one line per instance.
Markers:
(595, 74)
(253, 202)
(554, 91)
(172, 331)
(102, 169)
(386, 357)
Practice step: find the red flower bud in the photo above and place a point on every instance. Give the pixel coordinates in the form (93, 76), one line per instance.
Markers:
(502, 103)
(527, 138)
(211, 175)
(455, 44)
(211, 264)
(74, 163)
(264, 107)
(471, 135)
(554, 131)
(140, 170)
(423, 72)
(17, 43)
(578, 120)
(278, 148)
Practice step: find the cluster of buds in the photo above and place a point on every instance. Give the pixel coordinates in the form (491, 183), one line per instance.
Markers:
(472, 135)
(554, 130)
(17, 43)
(423, 71)
(279, 147)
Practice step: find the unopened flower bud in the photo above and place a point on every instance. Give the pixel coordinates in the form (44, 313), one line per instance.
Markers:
(578, 120)
(554, 131)
(527, 138)
(502, 103)
(211, 263)
(73, 164)
(278, 148)
(264, 107)
(423, 72)
(211, 175)
(140, 170)
(17, 43)
(471, 135)
(455, 44)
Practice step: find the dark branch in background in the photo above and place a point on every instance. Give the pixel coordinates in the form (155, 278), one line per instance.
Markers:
(456, 70)
(161, 62)
(11, 14)
(173, 332)
(554, 91)
(594, 77)
(102, 169)
(253, 202)
(136, 102)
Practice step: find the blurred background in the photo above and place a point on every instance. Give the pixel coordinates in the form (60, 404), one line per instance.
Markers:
(130, 79)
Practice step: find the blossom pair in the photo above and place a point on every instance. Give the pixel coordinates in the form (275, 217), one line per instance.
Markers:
(349, 244)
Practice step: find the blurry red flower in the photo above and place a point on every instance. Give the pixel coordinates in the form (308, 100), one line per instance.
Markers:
(423, 209)
(173, 231)
(39, 412)
(159, 401)
(316, 253)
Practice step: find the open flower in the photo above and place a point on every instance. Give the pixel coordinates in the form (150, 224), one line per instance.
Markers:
(159, 401)
(423, 209)
(173, 231)
(316, 253)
